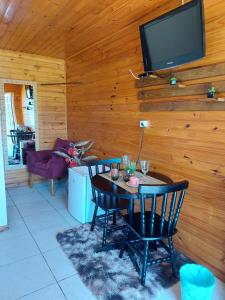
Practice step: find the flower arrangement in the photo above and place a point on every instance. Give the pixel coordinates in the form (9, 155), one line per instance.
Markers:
(75, 154)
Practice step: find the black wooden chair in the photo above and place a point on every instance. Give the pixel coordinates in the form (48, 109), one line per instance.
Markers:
(149, 228)
(109, 204)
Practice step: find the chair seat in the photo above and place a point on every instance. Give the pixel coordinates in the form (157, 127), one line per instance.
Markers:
(137, 226)
(109, 203)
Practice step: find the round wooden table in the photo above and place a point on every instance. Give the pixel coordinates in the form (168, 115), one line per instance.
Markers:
(107, 187)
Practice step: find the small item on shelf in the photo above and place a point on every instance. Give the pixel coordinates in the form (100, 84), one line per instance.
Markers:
(173, 80)
(211, 92)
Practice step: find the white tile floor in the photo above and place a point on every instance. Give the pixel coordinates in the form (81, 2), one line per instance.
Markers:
(32, 265)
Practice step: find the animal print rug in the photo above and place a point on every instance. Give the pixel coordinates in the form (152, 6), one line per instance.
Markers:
(108, 276)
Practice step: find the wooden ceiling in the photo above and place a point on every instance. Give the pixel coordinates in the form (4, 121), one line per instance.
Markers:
(63, 28)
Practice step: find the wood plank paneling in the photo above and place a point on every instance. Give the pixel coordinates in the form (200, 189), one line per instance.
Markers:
(51, 100)
(190, 145)
(60, 28)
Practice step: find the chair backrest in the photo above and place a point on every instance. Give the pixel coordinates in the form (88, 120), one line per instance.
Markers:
(62, 144)
(100, 166)
(165, 205)
(24, 136)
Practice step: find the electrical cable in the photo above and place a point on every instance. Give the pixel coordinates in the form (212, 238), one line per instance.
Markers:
(141, 144)
(134, 75)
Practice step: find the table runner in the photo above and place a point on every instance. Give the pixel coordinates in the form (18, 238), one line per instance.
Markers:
(143, 180)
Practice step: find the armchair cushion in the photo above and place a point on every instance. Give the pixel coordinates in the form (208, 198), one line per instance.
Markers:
(62, 144)
(42, 155)
(47, 164)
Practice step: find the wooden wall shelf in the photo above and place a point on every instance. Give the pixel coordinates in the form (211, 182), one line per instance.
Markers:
(156, 94)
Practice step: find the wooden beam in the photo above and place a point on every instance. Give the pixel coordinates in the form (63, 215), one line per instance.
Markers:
(183, 105)
(210, 71)
(173, 91)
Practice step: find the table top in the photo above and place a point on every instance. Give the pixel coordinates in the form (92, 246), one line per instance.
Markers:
(102, 184)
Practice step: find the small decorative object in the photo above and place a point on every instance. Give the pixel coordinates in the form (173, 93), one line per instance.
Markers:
(211, 92)
(132, 167)
(134, 181)
(144, 166)
(173, 80)
(115, 174)
(75, 154)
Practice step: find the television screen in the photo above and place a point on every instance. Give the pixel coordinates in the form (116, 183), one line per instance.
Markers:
(174, 38)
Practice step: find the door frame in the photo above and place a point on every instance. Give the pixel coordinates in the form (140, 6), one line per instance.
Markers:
(3, 206)
(3, 122)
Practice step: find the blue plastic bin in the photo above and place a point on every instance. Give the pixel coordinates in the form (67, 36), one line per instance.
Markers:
(197, 282)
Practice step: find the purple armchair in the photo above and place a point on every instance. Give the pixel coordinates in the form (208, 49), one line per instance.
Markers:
(47, 164)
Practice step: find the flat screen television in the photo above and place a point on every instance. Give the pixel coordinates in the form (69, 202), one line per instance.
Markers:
(175, 38)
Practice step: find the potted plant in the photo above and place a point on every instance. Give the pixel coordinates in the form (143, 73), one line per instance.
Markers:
(75, 155)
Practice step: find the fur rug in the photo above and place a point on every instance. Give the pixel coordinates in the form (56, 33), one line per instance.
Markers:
(108, 276)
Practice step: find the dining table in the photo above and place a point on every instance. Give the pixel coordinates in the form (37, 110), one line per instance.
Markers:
(119, 189)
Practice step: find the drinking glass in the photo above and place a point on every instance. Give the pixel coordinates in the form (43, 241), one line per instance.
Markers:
(125, 161)
(115, 174)
(144, 166)
(126, 175)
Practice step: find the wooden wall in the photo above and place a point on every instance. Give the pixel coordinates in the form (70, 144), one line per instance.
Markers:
(51, 100)
(189, 145)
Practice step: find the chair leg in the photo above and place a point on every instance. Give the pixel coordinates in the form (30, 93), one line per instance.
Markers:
(105, 228)
(30, 180)
(122, 250)
(52, 187)
(114, 218)
(145, 261)
(171, 250)
(94, 217)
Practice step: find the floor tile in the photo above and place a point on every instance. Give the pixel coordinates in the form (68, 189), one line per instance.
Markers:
(59, 264)
(58, 202)
(20, 190)
(9, 201)
(24, 277)
(69, 218)
(52, 292)
(219, 293)
(46, 238)
(16, 229)
(45, 220)
(74, 289)
(45, 189)
(31, 197)
(30, 208)
(16, 249)
(13, 215)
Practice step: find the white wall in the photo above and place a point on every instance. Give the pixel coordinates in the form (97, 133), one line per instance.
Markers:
(3, 209)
